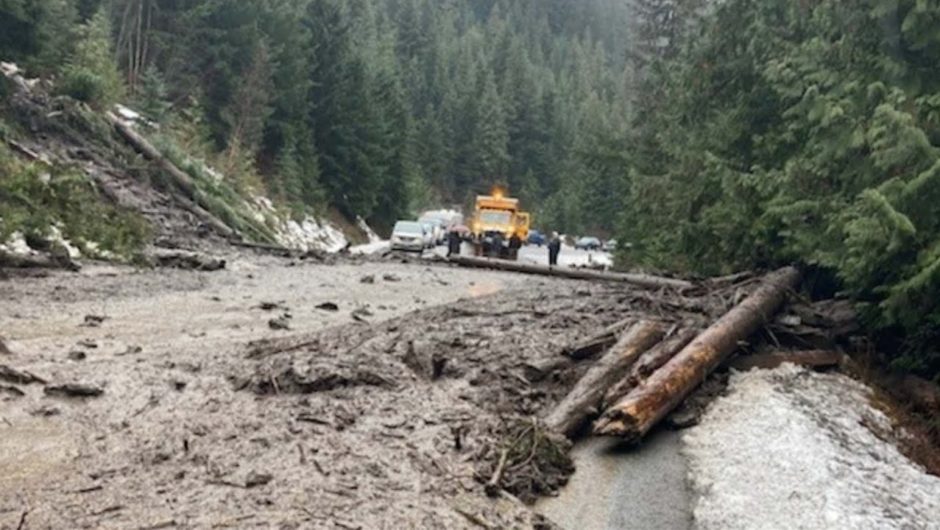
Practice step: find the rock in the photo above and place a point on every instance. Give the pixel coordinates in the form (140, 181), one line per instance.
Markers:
(255, 479)
(77, 355)
(367, 280)
(328, 306)
(3, 347)
(90, 344)
(79, 390)
(281, 323)
(93, 321)
(683, 419)
(131, 350)
(269, 306)
(391, 278)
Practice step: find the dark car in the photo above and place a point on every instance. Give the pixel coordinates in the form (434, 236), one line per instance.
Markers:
(536, 238)
(588, 243)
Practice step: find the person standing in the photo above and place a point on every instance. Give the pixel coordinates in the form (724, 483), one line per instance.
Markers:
(453, 243)
(554, 249)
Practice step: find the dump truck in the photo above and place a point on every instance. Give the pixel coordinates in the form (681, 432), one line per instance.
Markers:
(498, 227)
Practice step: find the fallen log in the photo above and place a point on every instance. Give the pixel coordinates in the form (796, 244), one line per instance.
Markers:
(180, 178)
(648, 363)
(584, 400)
(18, 377)
(74, 390)
(276, 250)
(16, 261)
(634, 415)
(640, 280)
(180, 259)
(769, 361)
(598, 342)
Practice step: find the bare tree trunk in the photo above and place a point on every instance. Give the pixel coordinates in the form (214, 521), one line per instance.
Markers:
(640, 280)
(634, 415)
(647, 365)
(584, 400)
(180, 178)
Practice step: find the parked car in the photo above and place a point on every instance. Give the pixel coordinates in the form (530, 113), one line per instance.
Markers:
(588, 243)
(536, 238)
(438, 229)
(610, 245)
(409, 236)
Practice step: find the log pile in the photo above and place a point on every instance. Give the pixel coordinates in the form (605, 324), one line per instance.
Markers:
(647, 371)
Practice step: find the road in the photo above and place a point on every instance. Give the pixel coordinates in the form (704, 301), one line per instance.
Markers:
(618, 487)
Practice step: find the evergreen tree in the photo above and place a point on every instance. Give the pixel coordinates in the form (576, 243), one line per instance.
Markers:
(91, 74)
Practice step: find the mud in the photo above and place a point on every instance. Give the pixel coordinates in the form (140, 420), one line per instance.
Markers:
(378, 415)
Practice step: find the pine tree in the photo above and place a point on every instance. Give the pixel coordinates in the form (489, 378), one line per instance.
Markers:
(91, 74)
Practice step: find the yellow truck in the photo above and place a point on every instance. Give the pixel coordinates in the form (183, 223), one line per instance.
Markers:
(498, 227)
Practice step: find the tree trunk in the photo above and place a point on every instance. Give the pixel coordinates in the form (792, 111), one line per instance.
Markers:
(180, 178)
(640, 280)
(647, 365)
(634, 415)
(15, 261)
(584, 400)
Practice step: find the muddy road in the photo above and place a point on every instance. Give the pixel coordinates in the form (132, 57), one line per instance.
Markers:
(276, 394)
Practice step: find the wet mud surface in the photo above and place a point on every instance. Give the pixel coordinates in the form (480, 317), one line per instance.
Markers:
(375, 405)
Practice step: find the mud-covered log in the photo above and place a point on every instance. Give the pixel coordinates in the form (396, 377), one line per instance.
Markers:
(276, 250)
(640, 280)
(634, 415)
(598, 342)
(180, 178)
(648, 363)
(16, 261)
(584, 400)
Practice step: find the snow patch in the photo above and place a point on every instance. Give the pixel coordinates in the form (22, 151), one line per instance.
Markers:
(9, 69)
(307, 234)
(55, 236)
(368, 231)
(16, 244)
(126, 113)
(369, 249)
(789, 448)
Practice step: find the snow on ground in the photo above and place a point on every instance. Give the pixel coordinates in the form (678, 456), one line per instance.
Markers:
(16, 244)
(307, 234)
(368, 231)
(789, 448)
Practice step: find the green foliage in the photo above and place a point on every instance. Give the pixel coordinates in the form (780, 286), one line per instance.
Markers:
(799, 132)
(91, 74)
(153, 96)
(35, 200)
(36, 33)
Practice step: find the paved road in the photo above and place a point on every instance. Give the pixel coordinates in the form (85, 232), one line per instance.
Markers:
(621, 488)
